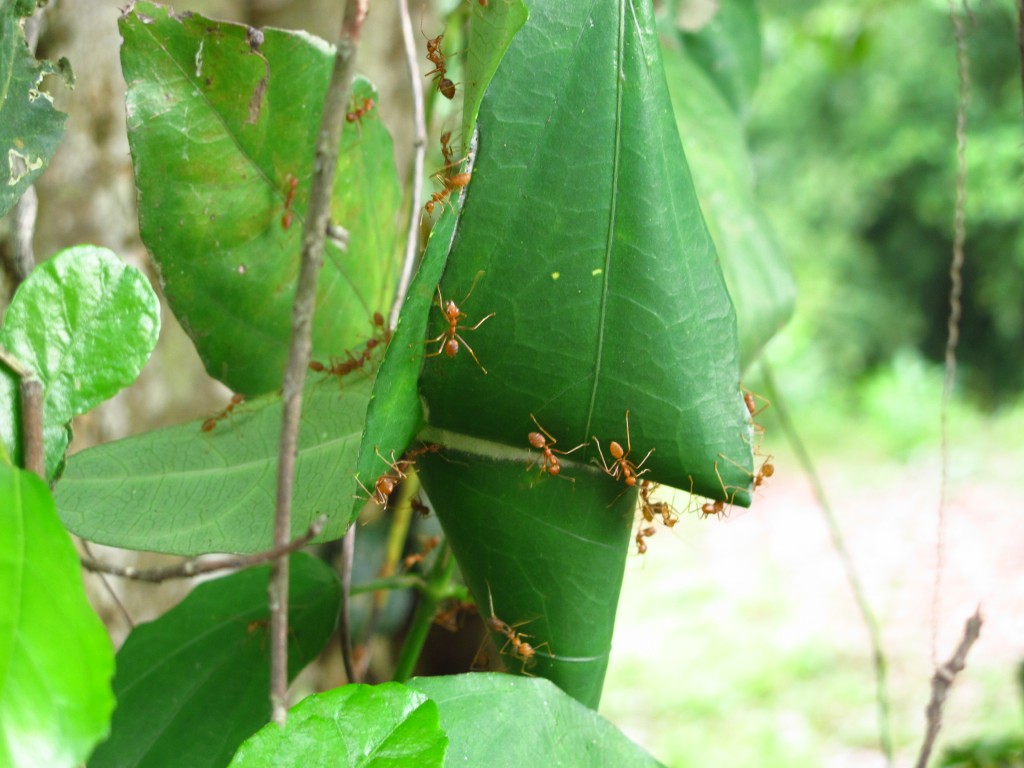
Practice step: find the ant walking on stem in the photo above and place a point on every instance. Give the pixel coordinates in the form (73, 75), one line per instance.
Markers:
(449, 181)
(440, 71)
(545, 443)
(450, 337)
(621, 465)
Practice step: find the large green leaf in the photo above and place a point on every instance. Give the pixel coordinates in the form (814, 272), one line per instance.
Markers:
(187, 491)
(56, 660)
(351, 726)
(583, 226)
(85, 322)
(195, 683)
(525, 723)
(491, 30)
(219, 126)
(759, 279)
(30, 127)
(548, 553)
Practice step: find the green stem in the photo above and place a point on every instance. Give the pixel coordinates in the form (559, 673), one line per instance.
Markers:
(437, 589)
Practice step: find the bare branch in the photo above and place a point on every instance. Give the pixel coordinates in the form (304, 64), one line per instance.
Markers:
(348, 548)
(313, 235)
(942, 681)
(419, 145)
(191, 568)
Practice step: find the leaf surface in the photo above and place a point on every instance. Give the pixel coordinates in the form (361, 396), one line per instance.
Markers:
(195, 683)
(592, 253)
(222, 132)
(86, 323)
(526, 722)
(354, 726)
(186, 491)
(55, 698)
(30, 127)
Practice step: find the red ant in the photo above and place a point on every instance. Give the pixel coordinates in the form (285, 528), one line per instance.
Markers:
(211, 422)
(417, 557)
(440, 62)
(419, 507)
(547, 462)
(449, 183)
(651, 509)
(766, 470)
(386, 483)
(286, 220)
(360, 110)
(712, 508)
(751, 400)
(449, 618)
(621, 465)
(521, 650)
(450, 337)
(641, 535)
(345, 367)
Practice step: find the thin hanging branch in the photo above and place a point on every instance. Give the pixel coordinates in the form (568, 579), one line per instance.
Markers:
(313, 235)
(942, 682)
(191, 568)
(348, 551)
(955, 310)
(419, 146)
(839, 544)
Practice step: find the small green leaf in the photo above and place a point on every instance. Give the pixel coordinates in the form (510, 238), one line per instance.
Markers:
(86, 323)
(759, 279)
(30, 127)
(355, 725)
(187, 491)
(594, 258)
(547, 552)
(56, 660)
(494, 719)
(195, 683)
(222, 131)
(728, 49)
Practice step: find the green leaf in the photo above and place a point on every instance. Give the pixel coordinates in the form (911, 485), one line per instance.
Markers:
(548, 553)
(759, 279)
(86, 323)
(187, 491)
(30, 127)
(195, 683)
(218, 130)
(490, 32)
(728, 49)
(525, 723)
(355, 725)
(56, 660)
(583, 226)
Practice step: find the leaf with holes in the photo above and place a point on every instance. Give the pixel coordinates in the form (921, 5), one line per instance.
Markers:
(222, 122)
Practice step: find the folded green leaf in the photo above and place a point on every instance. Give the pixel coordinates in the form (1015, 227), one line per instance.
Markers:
(187, 491)
(86, 323)
(193, 684)
(55, 699)
(356, 725)
(496, 719)
(583, 226)
(222, 122)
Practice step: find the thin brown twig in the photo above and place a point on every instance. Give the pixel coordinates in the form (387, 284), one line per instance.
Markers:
(313, 234)
(419, 147)
(348, 549)
(110, 589)
(194, 567)
(955, 311)
(942, 682)
(32, 425)
(850, 570)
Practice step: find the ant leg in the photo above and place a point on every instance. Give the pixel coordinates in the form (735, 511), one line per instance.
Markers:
(481, 323)
(604, 464)
(468, 349)
(443, 339)
(472, 288)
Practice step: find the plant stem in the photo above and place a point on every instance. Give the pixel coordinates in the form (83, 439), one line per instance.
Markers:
(313, 234)
(436, 591)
